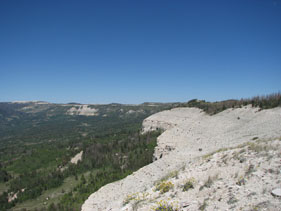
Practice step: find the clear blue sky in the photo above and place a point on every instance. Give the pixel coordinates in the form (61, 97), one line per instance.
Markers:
(131, 51)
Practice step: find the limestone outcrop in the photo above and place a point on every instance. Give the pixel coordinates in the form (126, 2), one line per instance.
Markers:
(190, 134)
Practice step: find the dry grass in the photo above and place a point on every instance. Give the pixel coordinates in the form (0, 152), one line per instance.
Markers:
(164, 186)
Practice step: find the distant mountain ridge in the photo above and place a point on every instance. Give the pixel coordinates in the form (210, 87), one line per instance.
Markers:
(26, 118)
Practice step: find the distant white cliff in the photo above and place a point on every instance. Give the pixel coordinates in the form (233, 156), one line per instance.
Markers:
(83, 110)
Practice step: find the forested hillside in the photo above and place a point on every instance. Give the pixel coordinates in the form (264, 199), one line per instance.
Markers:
(38, 141)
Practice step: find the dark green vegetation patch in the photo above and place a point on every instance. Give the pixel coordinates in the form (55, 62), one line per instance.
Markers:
(263, 102)
(38, 140)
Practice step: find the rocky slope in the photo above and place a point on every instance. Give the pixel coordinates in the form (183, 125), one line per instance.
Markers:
(183, 155)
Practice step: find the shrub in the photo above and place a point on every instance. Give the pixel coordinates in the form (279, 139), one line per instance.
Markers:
(164, 186)
(136, 198)
(129, 197)
(188, 185)
(165, 206)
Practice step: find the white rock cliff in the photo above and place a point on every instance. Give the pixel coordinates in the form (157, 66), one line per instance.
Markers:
(189, 134)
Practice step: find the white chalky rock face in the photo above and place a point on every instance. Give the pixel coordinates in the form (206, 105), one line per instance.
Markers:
(189, 134)
(83, 110)
(76, 158)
